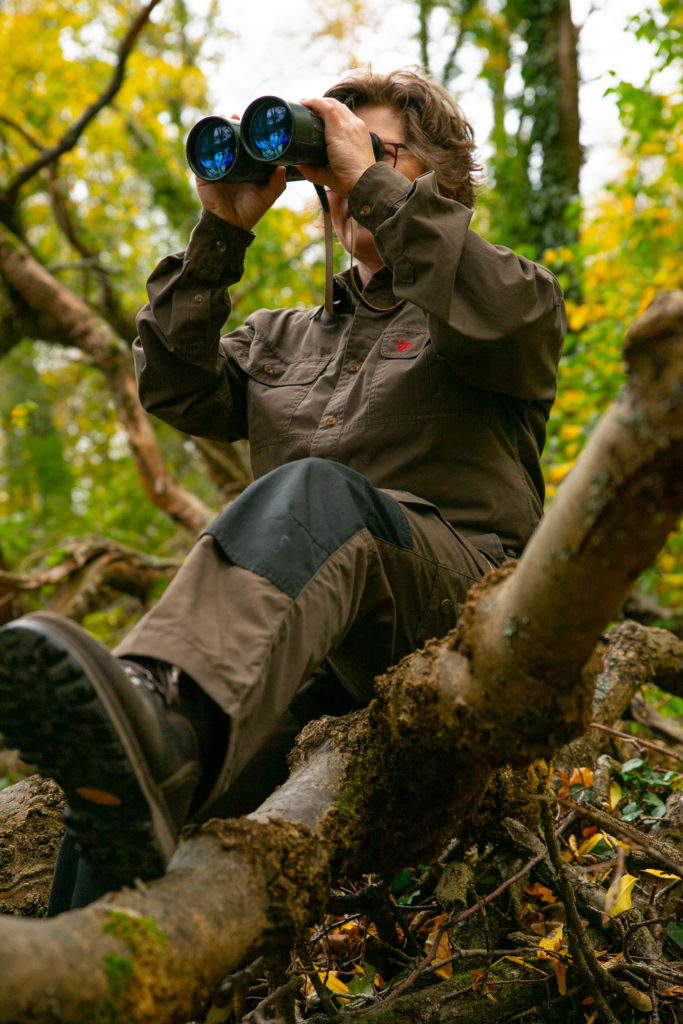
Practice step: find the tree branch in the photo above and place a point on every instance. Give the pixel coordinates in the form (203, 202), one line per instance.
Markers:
(82, 327)
(74, 132)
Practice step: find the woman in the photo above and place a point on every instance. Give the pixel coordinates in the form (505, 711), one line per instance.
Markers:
(395, 441)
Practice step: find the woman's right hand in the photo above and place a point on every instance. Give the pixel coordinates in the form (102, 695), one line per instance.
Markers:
(242, 205)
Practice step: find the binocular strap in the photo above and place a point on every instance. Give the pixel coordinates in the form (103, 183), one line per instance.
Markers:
(329, 254)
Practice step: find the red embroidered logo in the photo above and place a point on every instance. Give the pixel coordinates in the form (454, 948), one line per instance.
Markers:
(403, 346)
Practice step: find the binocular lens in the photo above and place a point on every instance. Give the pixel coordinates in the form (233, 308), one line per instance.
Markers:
(215, 148)
(270, 130)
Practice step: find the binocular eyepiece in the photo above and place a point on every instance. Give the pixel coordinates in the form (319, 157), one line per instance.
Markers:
(272, 133)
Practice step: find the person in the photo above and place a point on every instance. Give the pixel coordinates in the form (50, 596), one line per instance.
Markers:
(395, 440)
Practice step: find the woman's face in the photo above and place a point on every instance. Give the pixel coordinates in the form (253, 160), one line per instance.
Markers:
(386, 123)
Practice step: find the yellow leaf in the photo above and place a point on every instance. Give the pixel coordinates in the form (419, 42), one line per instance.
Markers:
(661, 874)
(560, 969)
(618, 896)
(612, 960)
(335, 984)
(443, 950)
(615, 795)
(554, 940)
(588, 844)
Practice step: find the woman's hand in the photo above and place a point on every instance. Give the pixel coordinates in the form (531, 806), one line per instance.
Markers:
(349, 147)
(242, 205)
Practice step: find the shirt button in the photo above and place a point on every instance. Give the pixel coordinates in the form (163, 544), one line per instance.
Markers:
(199, 298)
(446, 606)
(221, 246)
(331, 420)
(268, 368)
(354, 367)
(365, 210)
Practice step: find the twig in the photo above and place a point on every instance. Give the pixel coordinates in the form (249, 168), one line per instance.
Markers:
(632, 929)
(623, 830)
(638, 741)
(581, 951)
(74, 132)
(288, 988)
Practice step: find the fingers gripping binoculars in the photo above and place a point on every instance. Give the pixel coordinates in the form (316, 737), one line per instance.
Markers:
(272, 133)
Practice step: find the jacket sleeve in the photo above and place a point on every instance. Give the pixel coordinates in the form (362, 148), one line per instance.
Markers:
(184, 376)
(497, 318)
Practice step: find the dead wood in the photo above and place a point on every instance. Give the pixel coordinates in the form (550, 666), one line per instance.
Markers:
(88, 567)
(512, 682)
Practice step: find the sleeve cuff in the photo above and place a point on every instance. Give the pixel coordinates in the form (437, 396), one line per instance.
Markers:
(215, 252)
(377, 194)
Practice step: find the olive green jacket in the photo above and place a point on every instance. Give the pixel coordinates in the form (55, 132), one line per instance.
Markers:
(444, 395)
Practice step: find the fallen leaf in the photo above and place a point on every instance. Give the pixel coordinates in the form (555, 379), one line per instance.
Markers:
(581, 777)
(443, 950)
(545, 894)
(615, 795)
(618, 896)
(560, 969)
(553, 941)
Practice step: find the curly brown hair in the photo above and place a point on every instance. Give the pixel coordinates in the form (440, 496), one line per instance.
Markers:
(437, 132)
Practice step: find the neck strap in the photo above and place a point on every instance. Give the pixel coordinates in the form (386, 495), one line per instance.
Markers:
(359, 293)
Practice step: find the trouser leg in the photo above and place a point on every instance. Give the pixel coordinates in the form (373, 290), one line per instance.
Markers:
(310, 561)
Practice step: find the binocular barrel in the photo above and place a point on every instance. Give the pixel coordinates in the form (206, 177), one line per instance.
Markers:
(215, 153)
(272, 133)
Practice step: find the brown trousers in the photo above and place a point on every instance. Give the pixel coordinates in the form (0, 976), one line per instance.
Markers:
(251, 646)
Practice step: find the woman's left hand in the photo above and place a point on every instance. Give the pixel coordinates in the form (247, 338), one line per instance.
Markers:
(349, 147)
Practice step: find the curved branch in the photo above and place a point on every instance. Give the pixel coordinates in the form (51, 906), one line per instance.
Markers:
(87, 569)
(74, 132)
(111, 355)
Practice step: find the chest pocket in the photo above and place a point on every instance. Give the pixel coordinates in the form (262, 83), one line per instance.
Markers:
(265, 365)
(400, 384)
(276, 388)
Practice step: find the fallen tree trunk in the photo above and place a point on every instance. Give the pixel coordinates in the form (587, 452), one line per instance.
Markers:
(513, 681)
(633, 657)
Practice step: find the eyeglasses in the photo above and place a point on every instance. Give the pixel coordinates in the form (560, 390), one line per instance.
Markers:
(391, 151)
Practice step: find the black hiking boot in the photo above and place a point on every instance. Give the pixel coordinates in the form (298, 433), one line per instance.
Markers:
(121, 738)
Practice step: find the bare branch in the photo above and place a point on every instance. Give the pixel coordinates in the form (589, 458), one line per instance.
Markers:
(74, 132)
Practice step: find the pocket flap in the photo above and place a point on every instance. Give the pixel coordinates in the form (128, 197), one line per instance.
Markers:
(402, 345)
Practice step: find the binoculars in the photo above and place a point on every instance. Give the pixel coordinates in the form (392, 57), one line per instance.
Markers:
(272, 133)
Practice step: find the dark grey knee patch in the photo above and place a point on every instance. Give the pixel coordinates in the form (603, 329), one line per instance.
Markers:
(289, 522)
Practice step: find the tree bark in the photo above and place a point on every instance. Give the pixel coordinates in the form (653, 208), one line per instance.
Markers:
(81, 327)
(31, 829)
(513, 681)
(90, 567)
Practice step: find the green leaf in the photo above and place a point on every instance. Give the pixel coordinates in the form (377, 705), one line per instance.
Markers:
(630, 766)
(675, 932)
(631, 811)
(400, 882)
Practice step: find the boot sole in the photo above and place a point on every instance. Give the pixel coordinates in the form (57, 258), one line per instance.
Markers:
(59, 707)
